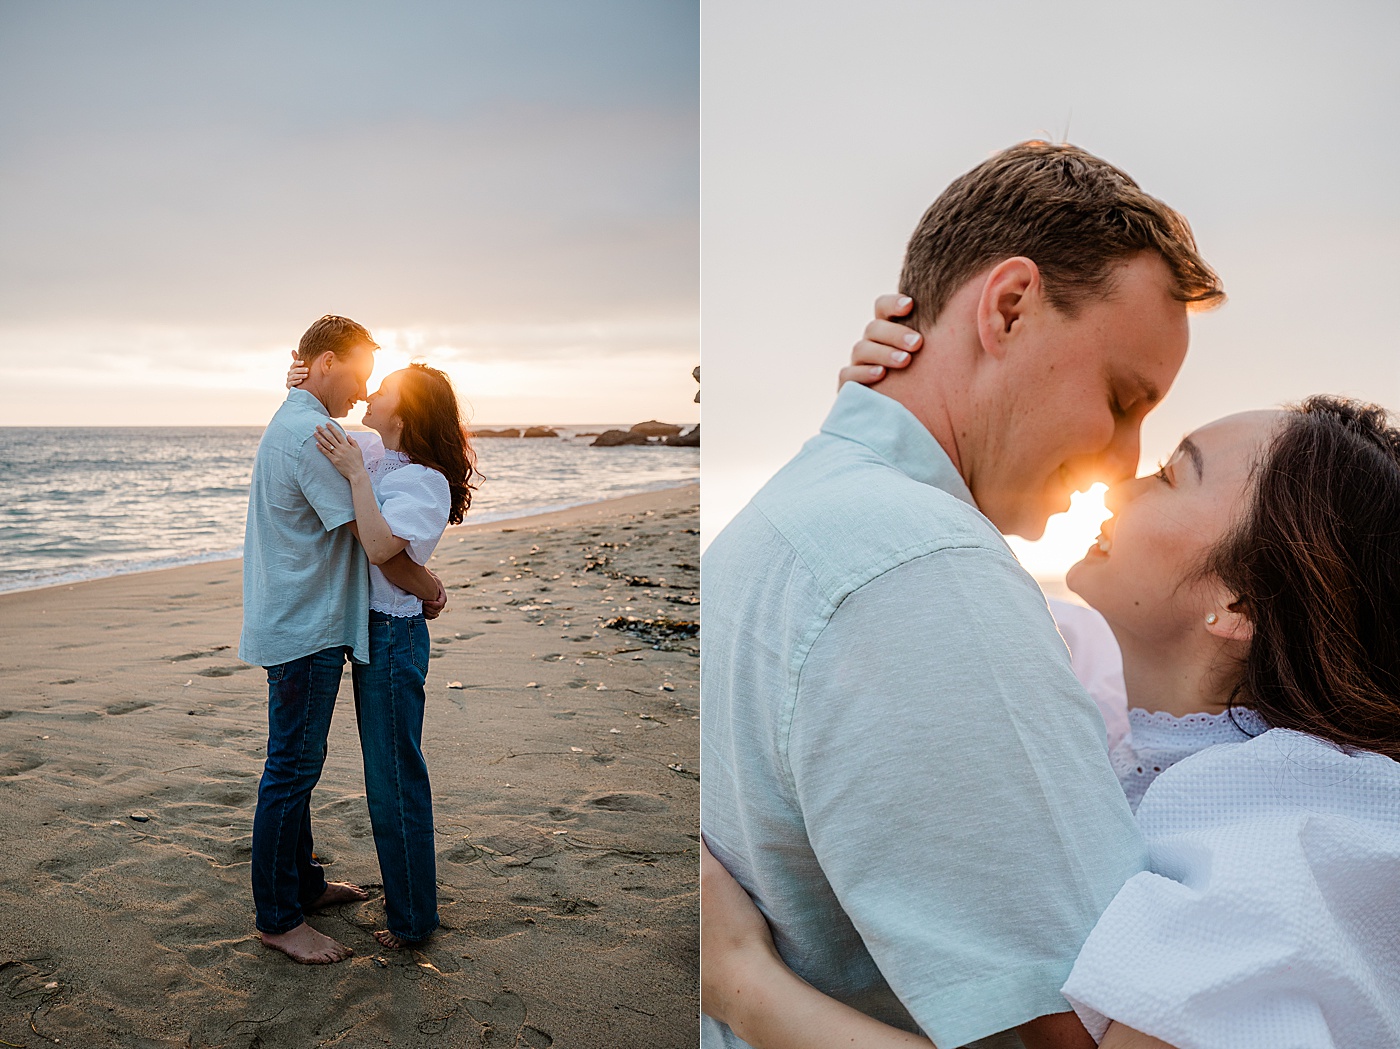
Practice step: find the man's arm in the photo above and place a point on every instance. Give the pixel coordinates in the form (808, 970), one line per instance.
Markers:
(952, 776)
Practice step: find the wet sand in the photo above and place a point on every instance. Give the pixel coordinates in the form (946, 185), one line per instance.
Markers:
(565, 793)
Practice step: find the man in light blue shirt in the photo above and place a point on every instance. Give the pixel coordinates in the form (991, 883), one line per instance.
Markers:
(305, 609)
(898, 763)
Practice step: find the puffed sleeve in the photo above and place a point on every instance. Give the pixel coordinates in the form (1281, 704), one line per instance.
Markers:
(415, 500)
(1267, 919)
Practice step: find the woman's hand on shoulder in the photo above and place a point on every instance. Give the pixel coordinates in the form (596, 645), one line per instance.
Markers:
(342, 451)
(886, 344)
(298, 372)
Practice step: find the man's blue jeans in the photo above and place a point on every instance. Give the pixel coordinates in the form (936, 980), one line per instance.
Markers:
(389, 710)
(300, 700)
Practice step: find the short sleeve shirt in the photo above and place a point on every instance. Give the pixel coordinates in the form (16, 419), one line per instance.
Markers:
(898, 763)
(305, 577)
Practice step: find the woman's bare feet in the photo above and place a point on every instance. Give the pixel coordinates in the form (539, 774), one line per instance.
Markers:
(391, 941)
(339, 892)
(307, 946)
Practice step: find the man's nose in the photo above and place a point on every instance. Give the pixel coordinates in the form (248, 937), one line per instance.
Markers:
(1120, 462)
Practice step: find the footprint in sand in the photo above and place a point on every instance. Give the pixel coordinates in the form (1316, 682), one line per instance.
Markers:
(126, 706)
(628, 801)
(19, 762)
(222, 671)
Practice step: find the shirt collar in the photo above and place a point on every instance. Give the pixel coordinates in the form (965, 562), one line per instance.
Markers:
(892, 432)
(300, 397)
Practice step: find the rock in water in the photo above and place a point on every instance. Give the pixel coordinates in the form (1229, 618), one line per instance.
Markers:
(689, 439)
(652, 428)
(616, 438)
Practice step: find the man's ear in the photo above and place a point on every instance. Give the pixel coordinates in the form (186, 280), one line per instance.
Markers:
(1230, 621)
(322, 363)
(1009, 291)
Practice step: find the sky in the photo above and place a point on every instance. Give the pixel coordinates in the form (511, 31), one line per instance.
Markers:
(1269, 125)
(509, 191)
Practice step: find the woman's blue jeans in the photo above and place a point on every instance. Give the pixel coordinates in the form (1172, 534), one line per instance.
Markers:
(389, 710)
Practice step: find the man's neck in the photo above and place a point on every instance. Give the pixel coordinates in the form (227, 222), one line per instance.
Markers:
(927, 401)
(318, 391)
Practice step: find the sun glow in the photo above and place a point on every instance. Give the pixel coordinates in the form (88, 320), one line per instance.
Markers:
(1067, 536)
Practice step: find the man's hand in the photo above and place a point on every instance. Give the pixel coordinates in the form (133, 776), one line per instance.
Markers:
(432, 609)
(886, 344)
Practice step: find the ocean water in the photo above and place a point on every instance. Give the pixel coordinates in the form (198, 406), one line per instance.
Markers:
(79, 503)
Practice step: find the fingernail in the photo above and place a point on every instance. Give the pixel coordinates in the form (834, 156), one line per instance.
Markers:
(911, 339)
(899, 356)
(904, 300)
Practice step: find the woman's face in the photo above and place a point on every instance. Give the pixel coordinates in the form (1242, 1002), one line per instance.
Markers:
(1142, 575)
(382, 413)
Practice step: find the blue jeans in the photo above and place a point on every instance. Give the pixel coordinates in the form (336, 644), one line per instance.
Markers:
(389, 711)
(300, 700)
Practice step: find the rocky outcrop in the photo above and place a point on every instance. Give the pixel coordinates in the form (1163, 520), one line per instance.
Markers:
(689, 439)
(617, 438)
(652, 428)
(495, 433)
(540, 431)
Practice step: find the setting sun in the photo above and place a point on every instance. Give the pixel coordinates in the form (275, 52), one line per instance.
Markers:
(1067, 535)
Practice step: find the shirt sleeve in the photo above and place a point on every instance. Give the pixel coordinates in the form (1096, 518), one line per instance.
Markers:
(325, 489)
(416, 500)
(953, 779)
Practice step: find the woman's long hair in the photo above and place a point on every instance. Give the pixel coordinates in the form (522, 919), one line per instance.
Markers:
(433, 434)
(1316, 565)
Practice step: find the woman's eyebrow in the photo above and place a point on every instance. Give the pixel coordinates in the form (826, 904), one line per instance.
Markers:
(1197, 460)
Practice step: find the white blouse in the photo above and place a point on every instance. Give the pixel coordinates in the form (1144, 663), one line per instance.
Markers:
(1156, 740)
(1268, 918)
(415, 501)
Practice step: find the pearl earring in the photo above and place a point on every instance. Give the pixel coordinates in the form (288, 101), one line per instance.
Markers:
(1212, 619)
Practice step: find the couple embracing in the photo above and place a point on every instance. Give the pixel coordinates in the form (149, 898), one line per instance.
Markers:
(902, 771)
(339, 531)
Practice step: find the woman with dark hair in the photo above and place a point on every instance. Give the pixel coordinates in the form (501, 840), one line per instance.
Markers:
(409, 480)
(1253, 586)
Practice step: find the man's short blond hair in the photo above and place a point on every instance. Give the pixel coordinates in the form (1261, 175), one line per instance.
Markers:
(338, 335)
(1075, 216)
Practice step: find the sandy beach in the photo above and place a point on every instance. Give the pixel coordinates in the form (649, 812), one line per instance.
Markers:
(563, 754)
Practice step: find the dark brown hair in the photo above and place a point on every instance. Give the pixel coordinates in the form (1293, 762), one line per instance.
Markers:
(1075, 216)
(433, 434)
(334, 334)
(1316, 564)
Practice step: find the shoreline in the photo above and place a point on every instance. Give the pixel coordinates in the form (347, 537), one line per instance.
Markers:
(220, 556)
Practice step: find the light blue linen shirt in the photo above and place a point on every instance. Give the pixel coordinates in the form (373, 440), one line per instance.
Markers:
(898, 763)
(305, 577)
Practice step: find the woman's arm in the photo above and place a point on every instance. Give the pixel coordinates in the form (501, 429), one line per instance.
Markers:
(745, 984)
(373, 531)
(1121, 1037)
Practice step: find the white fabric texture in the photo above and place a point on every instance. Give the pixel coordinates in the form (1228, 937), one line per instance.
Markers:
(1156, 741)
(1270, 917)
(1096, 661)
(415, 501)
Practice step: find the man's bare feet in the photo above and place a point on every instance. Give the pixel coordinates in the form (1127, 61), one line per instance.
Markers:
(391, 941)
(307, 946)
(339, 892)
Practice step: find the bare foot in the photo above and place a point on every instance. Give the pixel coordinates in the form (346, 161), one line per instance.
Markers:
(392, 942)
(307, 946)
(339, 892)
